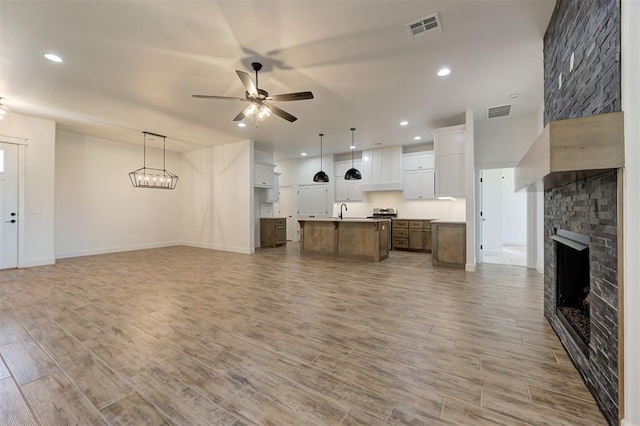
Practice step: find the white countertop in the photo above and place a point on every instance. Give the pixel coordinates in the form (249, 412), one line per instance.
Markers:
(346, 219)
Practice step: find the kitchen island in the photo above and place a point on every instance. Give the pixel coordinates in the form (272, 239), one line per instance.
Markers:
(364, 239)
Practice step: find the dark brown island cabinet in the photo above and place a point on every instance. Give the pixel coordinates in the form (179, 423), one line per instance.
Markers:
(449, 243)
(412, 234)
(273, 231)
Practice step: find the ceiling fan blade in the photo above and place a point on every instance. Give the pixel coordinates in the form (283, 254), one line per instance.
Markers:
(281, 113)
(298, 96)
(240, 116)
(248, 83)
(231, 98)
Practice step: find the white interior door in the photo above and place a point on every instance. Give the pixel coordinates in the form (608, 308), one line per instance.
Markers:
(8, 206)
(503, 221)
(286, 208)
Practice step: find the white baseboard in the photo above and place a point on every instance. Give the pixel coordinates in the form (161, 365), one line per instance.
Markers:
(626, 422)
(242, 250)
(93, 252)
(470, 267)
(37, 262)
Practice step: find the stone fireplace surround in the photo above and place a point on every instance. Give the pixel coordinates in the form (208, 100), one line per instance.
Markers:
(589, 207)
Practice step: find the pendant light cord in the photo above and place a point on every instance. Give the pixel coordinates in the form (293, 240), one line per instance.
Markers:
(353, 129)
(321, 135)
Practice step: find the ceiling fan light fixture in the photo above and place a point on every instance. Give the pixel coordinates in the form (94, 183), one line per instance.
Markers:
(353, 173)
(263, 112)
(321, 176)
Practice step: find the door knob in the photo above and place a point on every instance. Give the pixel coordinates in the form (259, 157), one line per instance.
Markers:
(10, 221)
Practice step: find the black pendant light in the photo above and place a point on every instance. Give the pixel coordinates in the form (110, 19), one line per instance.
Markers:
(352, 173)
(321, 176)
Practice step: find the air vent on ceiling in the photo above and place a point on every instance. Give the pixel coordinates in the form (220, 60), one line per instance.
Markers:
(498, 111)
(428, 24)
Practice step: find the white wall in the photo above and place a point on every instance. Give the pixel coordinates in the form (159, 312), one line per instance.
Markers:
(218, 206)
(501, 142)
(97, 210)
(631, 230)
(514, 214)
(36, 211)
(470, 189)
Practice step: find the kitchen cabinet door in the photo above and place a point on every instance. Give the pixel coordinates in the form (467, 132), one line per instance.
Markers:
(419, 184)
(312, 200)
(449, 144)
(263, 175)
(273, 193)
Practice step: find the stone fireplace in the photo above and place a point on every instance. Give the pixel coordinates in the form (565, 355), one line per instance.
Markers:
(581, 280)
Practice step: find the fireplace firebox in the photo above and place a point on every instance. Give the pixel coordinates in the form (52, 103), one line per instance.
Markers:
(573, 286)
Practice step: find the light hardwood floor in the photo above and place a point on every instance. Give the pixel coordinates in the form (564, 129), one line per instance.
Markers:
(191, 336)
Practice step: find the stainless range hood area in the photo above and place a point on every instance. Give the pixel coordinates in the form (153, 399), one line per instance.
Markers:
(570, 150)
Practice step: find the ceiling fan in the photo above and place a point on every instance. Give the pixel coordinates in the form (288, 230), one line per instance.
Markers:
(258, 98)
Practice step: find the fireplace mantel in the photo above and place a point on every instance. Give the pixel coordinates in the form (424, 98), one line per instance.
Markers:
(572, 149)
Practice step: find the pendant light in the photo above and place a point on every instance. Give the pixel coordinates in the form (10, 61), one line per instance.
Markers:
(353, 173)
(321, 176)
(149, 177)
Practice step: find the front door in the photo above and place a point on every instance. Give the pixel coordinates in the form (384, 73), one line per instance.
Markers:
(8, 206)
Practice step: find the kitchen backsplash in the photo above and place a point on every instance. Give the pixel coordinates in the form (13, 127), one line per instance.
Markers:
(424, 209)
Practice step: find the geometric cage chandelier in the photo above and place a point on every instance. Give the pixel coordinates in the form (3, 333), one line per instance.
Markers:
(149, 177)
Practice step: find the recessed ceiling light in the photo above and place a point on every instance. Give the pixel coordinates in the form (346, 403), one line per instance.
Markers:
(404, 123)
(352, 147)
(417, 138)
(304, 154)
(242, 125)
(53, 57)
(444, 71)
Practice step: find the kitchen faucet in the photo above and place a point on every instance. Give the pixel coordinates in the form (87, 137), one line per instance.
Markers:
(345, 209)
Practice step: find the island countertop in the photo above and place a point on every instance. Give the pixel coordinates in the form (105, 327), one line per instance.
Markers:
(358, 238)
(346, 219)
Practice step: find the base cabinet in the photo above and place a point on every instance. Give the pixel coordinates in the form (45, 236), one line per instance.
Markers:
(414, 235)
(449, 244)
(273, 231)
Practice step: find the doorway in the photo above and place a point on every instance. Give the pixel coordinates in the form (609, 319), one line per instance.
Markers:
(286, 208)
(503, 219)
(8, 206)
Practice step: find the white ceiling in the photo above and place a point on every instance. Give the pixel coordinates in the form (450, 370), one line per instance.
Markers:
(131, 66)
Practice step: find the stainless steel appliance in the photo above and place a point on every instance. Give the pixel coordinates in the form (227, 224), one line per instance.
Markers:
(385, 213)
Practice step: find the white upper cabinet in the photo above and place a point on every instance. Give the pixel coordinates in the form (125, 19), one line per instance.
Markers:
(382, 169)
(419, 160)
(313, 200)
(419, 176)
(449, 143)
(263, 175)
(346, 190)
(273, 193)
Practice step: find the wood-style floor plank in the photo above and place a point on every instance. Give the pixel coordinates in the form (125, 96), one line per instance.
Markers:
(182, 335)
(13, 408)
(133, 410)
(56, 401)
(94, 378)
(26, 360)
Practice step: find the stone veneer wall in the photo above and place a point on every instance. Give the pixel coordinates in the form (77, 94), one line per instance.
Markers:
(589, 207)
(591, 30)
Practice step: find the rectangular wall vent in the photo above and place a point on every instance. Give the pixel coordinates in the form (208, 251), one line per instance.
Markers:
(498, 111)
(428, 24)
